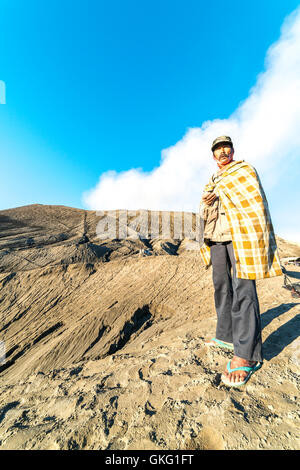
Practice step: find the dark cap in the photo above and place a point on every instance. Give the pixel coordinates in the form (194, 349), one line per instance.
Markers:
(224, 139)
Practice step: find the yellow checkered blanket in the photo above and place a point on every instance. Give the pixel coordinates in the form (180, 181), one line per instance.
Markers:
(243, 198)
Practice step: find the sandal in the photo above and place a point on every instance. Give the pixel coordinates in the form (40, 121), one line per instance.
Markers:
(219, 344)
(249, 369)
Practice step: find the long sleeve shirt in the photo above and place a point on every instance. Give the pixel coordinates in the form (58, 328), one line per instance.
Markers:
(216, 227)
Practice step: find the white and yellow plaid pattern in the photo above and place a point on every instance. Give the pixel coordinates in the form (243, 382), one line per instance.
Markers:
(243, 198)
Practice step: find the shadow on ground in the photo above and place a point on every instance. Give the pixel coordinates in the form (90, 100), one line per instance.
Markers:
(277, 341)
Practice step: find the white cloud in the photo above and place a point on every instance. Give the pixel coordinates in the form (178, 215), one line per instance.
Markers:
(269, 119)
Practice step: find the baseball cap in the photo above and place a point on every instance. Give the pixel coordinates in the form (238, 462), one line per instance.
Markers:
(223, 139)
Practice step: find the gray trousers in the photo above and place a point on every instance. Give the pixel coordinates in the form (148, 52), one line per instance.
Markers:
(237, 306)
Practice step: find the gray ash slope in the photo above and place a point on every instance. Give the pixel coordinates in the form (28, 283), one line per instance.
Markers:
(104, 347)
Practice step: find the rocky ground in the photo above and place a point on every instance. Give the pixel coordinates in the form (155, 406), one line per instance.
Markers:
(105, 347)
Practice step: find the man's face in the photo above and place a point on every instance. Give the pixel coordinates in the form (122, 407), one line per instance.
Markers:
(222, 152)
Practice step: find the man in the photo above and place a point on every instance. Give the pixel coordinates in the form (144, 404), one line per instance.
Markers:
(236, 233)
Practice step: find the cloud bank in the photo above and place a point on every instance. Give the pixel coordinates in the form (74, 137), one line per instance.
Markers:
(269, 118)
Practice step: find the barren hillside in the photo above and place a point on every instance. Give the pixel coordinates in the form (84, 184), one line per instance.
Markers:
(104, 343)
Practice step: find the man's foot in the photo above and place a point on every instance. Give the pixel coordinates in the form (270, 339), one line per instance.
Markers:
(239, 377)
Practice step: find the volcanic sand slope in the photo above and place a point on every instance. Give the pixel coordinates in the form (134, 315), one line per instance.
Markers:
(105, 348)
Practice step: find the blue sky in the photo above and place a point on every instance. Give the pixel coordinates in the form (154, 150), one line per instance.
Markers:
(97, 89)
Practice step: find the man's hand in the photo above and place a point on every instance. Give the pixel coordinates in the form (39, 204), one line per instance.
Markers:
(208, 198)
